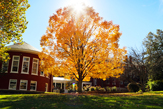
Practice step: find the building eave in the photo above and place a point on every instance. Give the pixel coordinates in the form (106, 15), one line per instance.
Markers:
(25, 51)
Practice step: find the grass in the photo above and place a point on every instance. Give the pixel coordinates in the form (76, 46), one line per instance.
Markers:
(148, 100)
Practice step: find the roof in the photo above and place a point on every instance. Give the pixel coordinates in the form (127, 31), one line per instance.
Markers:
(24, 48)
(60, 79)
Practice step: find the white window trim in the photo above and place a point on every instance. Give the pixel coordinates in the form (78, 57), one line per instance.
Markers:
(26, 85)
(7, 66)
(37, 67)
(9, 84)
(12, 64)
(43, 73)
(35, 86)
(46, 87)
(28, 65)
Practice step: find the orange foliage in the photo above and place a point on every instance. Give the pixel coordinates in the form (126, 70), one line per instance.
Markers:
(81, 46)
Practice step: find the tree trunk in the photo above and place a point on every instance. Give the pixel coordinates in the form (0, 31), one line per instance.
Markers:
(143, 84)
(143, 87)
(80, 85)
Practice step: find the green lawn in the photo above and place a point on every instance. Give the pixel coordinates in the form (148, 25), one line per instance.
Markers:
(150, 100)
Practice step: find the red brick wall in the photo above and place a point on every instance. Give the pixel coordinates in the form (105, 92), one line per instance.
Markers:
(4, 78)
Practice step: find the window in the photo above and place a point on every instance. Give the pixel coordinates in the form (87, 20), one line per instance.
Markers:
(33, 85)
(125, 83)
(107, 78)
(15, 64)
(23, 84)
(35, 66)
(121, 82)
(108, 82)
(12, 84)
(5, 66)
(41, 73)
(25, 66)
(46, 87)
(95, 82)
(114, 79)
(113, 83)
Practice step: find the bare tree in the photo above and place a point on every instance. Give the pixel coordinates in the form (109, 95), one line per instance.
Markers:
(136, 69)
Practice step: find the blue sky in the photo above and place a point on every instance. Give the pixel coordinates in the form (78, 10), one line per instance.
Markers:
(135, 17)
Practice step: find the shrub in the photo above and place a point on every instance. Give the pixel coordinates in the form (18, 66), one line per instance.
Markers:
(114, 89)
(70, 90)
(132, 87)
(92, 88)
(156, 85)
(98, 88)
(140, 92)
(86, 88)
(108, 89)
(61, 90)
(102, 89)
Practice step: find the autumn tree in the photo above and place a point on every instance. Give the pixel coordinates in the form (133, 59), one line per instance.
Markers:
(12, 23)
(81, 45)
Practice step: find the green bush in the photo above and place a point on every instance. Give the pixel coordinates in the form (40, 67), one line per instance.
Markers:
(140, 92)
(108, 89)
(86, 88)
(102, 89)
(70, 90)
(92, 88)
(156, 85)
(114, 89)
(61, 90)
(132, 87)
(98, 88)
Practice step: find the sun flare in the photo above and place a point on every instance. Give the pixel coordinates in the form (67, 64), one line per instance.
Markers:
(78, 5)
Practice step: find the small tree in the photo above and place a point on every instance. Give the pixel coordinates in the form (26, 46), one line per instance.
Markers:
(81, 45)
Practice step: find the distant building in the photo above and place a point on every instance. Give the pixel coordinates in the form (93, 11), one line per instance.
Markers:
(110, 82)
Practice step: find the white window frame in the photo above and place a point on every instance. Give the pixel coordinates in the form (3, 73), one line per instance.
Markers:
(28, 65)
(46, 84)
(7, 66)
(26, 84)
(37, 66)
(13, 62)
(35, 86)
(43, 73)
(9, 84)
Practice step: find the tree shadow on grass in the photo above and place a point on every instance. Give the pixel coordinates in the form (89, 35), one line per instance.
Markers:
(52, 101)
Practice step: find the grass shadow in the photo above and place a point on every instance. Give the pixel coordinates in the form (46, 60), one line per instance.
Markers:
(61, 101)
